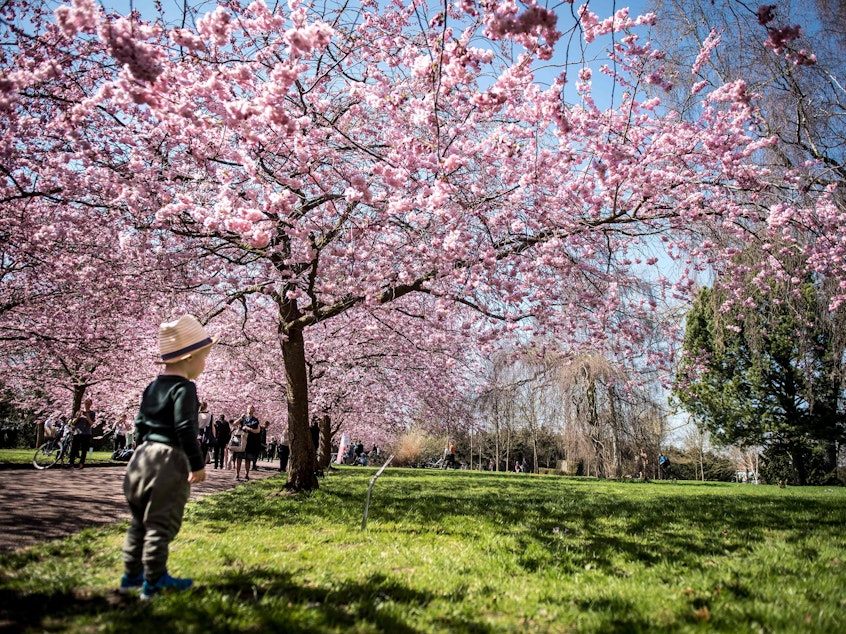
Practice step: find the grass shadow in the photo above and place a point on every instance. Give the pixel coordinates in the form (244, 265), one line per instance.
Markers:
(641, 521)
(255, 599)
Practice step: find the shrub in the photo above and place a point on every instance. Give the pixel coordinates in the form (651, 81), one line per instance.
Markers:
(546, 471)
(413, 449)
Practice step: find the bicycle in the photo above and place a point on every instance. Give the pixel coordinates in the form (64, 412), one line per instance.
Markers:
(433, 463)
(53, 451)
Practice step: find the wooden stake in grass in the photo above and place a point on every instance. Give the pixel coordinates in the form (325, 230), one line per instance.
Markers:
(370, 488)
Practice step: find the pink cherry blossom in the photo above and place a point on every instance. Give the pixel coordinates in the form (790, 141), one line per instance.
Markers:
(363, 210)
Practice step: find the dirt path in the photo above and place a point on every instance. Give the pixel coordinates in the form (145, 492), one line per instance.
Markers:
(38, 506)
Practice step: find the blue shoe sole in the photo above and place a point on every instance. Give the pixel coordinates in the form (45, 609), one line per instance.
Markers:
(127, 585)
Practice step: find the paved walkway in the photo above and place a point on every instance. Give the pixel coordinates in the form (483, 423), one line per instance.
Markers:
(37, 506)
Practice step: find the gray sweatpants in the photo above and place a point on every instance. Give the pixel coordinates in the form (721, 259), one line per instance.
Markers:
(156, 487)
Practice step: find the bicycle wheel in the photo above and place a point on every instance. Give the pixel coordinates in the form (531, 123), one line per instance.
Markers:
(46, 455)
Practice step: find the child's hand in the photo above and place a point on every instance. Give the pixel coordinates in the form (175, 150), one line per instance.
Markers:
(195, 477)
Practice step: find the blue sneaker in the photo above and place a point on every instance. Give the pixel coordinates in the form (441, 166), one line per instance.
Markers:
(128, 583)
(165, 585)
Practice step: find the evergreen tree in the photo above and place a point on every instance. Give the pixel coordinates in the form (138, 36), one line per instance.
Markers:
(767, 373)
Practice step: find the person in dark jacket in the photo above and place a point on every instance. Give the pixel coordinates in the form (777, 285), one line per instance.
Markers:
(168, 459)
(262, 444)
(222, 433)
(82, 433)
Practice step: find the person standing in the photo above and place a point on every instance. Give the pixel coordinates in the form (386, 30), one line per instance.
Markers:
(449, 456)
(284, 449)
(270, 455)
(251, 426)
(83, 430)
(206, 430)
(262, 444)
(664, 466)
(234, 425)
(222, 432)
(642, 464)
(168, 459)
(122, 429)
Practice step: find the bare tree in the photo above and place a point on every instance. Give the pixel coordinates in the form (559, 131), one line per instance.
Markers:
(791, 55)
(803, 105)
(697, 442)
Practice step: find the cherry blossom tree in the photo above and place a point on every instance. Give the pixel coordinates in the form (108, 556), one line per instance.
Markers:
(334, 162)
(789, 55)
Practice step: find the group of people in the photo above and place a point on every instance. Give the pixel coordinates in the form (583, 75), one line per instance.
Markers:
(220, 441)
(80, 427)
(354, 453)
(213, 437)
(520, 466)
(643, 470)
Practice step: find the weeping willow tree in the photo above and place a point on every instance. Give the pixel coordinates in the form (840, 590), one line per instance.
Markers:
(600, 419)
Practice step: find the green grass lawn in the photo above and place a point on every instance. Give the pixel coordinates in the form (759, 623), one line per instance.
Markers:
(464, 552)
(24, 457)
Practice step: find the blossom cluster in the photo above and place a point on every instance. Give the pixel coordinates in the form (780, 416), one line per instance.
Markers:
(780, 38)
(125, 42)
(504, 20)
(82, 15)
(408, 192)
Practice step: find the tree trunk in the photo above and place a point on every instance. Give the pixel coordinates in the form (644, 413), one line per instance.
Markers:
(797, 455)
(617, 457)
(508, 448)
(535, 449)
(497, 456)
(324, 453)
(830, 456)
(593, 422)
(301, 476)
(481, 468)
(78, 395)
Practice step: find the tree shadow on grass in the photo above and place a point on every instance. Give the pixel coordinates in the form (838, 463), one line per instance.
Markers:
(47, 611)
(245, 600)
(542, 517)
(636, 522)
(643, 523)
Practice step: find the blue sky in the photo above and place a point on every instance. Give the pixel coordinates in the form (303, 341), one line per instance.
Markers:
(546, 72)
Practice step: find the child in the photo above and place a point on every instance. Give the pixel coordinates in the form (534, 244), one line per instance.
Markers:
(167, 460)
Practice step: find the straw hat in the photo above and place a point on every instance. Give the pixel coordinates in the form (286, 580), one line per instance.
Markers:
(179, 339)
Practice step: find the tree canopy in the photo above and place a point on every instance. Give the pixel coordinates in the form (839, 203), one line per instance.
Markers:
(446, 173)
